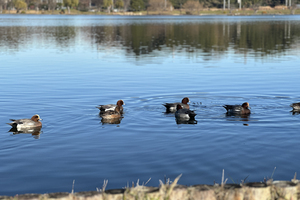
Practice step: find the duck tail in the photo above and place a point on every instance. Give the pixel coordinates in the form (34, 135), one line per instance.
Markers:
(12, 124)
(226, 107)
(168, 110)
(192, 116)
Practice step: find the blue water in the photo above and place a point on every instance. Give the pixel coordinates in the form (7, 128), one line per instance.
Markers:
(62, 67)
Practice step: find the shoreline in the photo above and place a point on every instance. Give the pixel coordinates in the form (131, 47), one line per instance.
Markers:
(269, 190)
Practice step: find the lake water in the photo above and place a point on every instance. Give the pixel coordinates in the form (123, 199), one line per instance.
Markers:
(62, 67)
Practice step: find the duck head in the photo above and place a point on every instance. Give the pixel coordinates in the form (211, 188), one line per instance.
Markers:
(185, 100)
(36, 118)
(120, 103)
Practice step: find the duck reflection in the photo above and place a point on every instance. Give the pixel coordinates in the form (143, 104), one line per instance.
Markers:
(241, 117)
(238, 117)
(111, 116)
(111, 121)
(35, 132)
(181, 121)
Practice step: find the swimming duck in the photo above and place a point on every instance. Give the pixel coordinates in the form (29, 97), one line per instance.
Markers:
(184, 113)
(111, 107)
(172, 107)
(112, 114)
(238, 109)
(296, 106)
(26, 123)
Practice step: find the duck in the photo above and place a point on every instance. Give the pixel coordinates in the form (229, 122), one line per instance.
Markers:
(296, 106)
(112, 114)
(238, 109)
(19, 124)
(172, 107)
(111, 107)
(184, 113)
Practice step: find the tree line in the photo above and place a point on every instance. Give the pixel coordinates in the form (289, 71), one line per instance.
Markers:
(134, 5)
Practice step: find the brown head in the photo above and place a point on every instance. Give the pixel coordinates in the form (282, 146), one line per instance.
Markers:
(185, 100)
(36, 118)
(120, 103)
(179, 107)
(246, 105)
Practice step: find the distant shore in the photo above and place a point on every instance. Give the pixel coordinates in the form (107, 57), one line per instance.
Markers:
(263, 10)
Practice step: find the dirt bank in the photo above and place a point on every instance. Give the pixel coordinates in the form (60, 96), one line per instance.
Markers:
(251, 191)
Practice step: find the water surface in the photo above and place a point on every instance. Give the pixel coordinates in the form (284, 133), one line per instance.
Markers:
(62, 67)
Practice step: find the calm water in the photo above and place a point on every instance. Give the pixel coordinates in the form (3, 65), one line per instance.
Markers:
(61, 67)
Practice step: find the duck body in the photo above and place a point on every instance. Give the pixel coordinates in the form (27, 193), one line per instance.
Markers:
(112, 114)
(111, 107)
(184, 113)
(24, 124)
(172, 107)
(238, 109)
(296, 106)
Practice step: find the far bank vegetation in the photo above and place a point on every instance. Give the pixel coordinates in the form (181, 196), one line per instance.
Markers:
(161, 7)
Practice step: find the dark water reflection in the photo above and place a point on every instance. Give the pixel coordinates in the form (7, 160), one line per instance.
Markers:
(62, 67)
(192, 36)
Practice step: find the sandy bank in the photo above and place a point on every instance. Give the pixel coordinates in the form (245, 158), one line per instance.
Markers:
(251, 191)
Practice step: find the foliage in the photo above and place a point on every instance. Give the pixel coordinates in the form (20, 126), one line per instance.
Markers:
(137, 5)
(178, 3)
(192, 5)
(159, 5)
(43, 6)
(75, 3)
(119, 4)
(19, 5)
(107, 3)
(71, 3)
(215, 3)
(59, 5)
(67, 2)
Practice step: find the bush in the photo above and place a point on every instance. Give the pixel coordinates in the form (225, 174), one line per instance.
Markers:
(23, 12)
(192, 6)
(43, 6)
